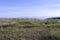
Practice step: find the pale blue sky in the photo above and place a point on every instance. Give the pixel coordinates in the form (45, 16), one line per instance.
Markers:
(29, 8)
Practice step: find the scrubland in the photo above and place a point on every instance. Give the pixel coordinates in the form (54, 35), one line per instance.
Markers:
(29, 29)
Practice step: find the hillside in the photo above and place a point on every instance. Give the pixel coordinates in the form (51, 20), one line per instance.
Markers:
(29, 29)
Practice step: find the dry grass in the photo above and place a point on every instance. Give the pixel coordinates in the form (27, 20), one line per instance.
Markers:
(29, 29)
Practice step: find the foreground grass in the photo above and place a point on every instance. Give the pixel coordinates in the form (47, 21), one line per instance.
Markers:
(29, 29)
(29, 34)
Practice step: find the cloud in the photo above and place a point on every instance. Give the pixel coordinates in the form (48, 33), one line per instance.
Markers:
(53, 5)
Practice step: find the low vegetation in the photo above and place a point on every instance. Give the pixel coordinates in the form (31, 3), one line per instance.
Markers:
(29, 29)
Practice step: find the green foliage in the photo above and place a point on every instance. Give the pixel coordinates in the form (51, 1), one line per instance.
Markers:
(29, 29)
(21, 23)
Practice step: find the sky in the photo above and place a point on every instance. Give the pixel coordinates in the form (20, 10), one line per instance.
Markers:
(29, 8)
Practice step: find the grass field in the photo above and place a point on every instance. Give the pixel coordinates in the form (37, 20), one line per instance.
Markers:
(29, 29)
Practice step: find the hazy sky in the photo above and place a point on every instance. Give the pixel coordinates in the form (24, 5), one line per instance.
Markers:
(29, 8)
